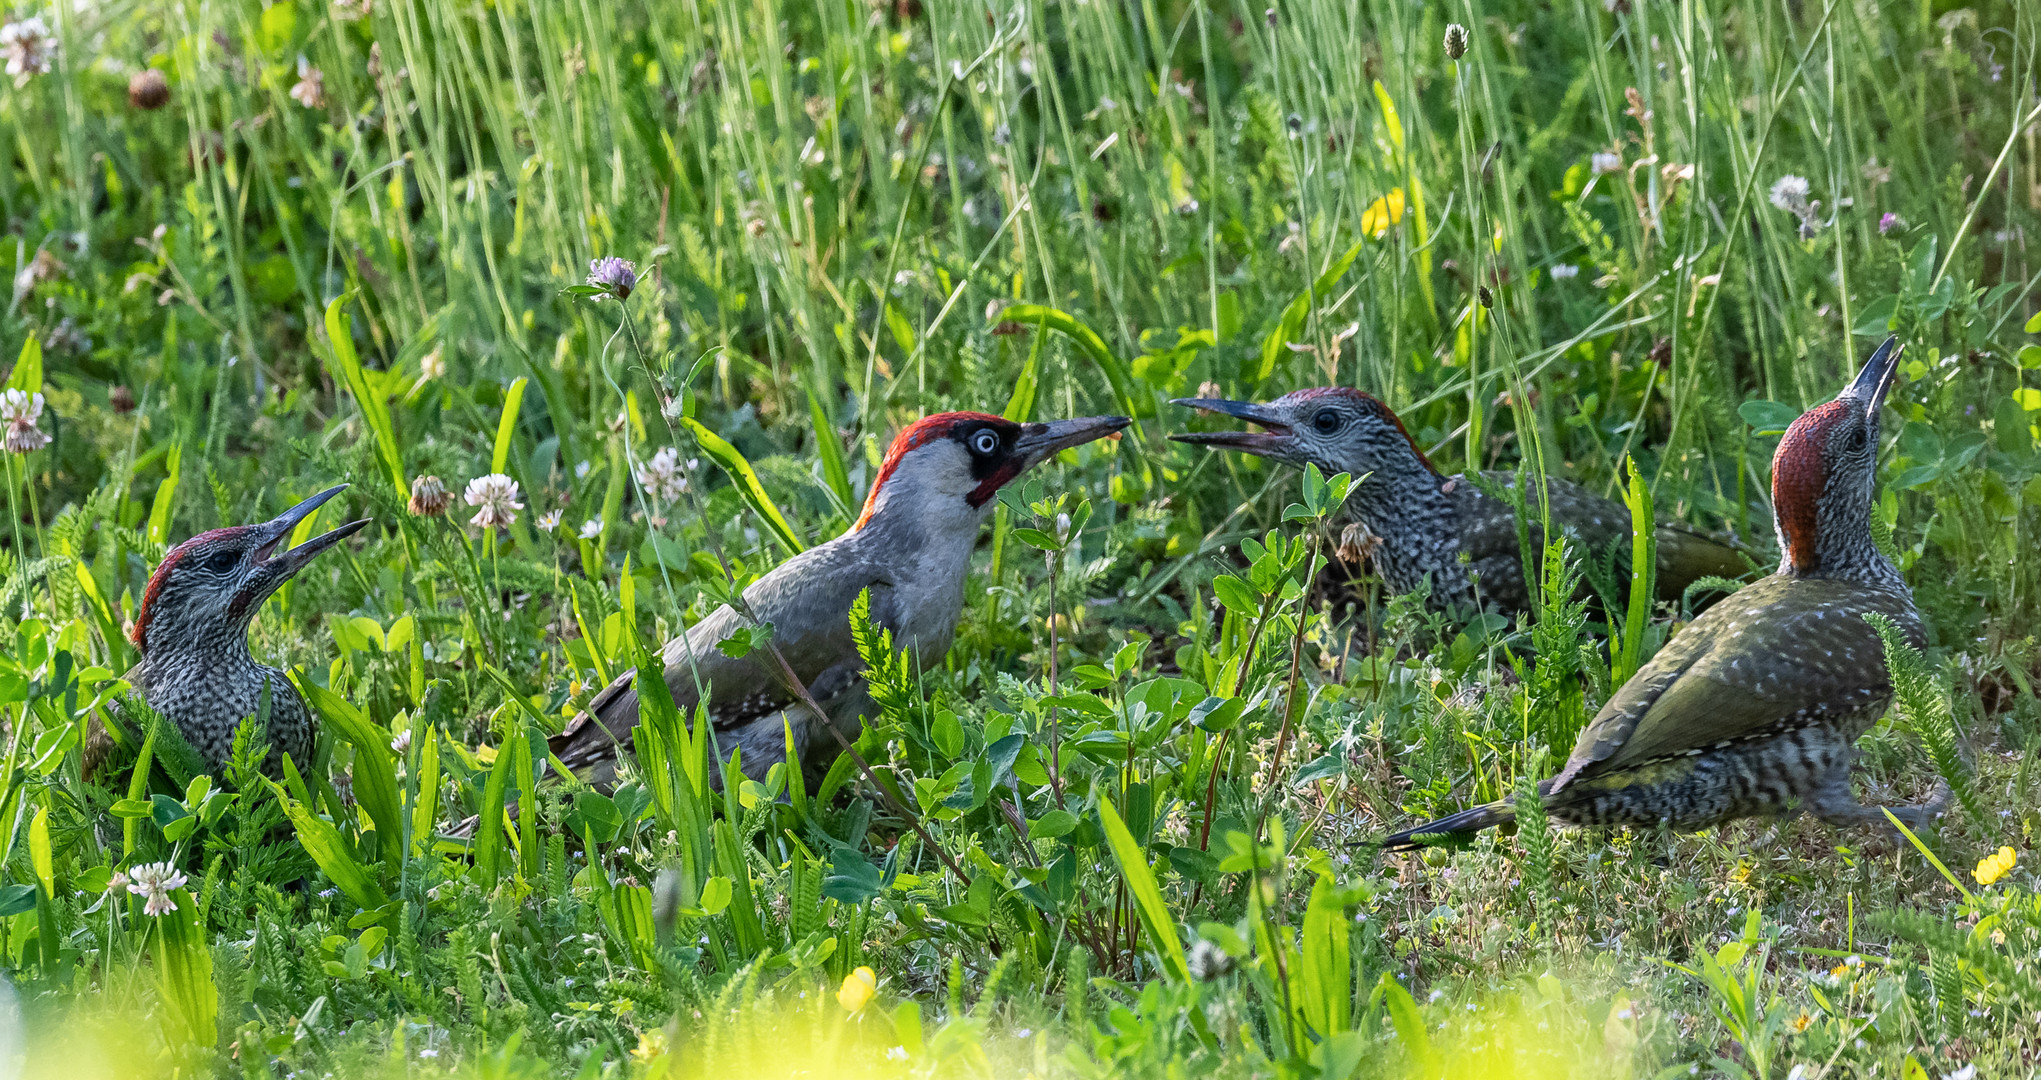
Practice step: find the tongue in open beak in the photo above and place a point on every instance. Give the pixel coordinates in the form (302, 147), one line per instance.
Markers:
(1254, 442)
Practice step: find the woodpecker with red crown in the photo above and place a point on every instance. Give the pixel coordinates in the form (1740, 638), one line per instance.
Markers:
(192, 631)
(1755, 707)
(1425, 521)
(911, 547)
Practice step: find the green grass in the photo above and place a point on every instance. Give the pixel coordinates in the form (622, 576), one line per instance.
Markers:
(274, 283)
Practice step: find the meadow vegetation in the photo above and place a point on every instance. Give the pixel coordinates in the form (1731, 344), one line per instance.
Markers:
(259, 248)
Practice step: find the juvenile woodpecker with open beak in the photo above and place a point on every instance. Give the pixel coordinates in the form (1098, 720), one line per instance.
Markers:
(192, 631)
(1755, 707)
(1425, 522)
(911, 547)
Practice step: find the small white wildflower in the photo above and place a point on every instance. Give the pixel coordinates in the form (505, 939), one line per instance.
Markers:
(1789, 193)
(662, 476)
(896, 1053)
(581, 470)
(433, 364)
(1606, 161)
(549, 521)
(1967, 1072)
(22, 411)
(310, 89)
(155, 882)
(27, 45)
(496, 495)
(401, 745)
(591, 528)
(1565, 272)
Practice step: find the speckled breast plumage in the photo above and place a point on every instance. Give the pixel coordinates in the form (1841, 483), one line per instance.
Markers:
(207, 707)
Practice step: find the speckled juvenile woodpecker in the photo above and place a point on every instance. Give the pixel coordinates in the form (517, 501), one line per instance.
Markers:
(1424, 521)
(192, 631)
(911, 547)
(1755, 707)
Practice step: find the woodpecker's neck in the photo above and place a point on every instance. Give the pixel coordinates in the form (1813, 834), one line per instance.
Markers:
(1407, 510)
(209, 651)
(1834, 541)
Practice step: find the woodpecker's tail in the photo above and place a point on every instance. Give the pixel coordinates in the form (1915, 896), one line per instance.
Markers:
(1460, 826)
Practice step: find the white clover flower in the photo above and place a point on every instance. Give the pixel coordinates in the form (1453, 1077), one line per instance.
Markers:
(310, 89)
(1565, 272)
(496, 495)
(591, 528)
(155, 882)
(1789, 193)
(21, 411)
(27, 45)
(1606, 161)
(401, 745)
(663, 476)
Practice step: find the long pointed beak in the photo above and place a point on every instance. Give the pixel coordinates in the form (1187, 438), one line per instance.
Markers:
(283, 564)
(1875, 380)
(1267, 443)
(1038, 441)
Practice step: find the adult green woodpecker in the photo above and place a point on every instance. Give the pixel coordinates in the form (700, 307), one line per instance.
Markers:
(1755, 707)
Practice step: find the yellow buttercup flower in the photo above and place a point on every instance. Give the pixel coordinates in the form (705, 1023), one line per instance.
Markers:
(1995, 866)
(1382, 213)
(651, 1045)
(858, 988)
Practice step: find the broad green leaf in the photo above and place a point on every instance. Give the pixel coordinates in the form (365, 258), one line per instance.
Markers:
(746, 480)
(375, 412)
(27, 376)
(1021, 406)
(1409, 1023)
(184, 975)
(1093, 346)
(39, 854)
(506, 425)
(375, 769)
(329, 849)
(1148, 902)
(1298, 312)
(1236, 595)
(166, 496)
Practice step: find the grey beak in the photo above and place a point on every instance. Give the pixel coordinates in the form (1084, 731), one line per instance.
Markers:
(1253, 442)
(1875, 380)
(1038, 441)
(277, 530)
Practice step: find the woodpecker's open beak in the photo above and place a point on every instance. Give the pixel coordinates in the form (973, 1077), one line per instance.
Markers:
(1038, 441)
(281, 565)
(1875, 380)
(1273, 442)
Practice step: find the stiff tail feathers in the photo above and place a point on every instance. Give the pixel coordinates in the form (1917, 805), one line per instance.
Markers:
(1458, 826)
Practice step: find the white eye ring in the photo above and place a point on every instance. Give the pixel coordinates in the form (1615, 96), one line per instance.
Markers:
(984, 442)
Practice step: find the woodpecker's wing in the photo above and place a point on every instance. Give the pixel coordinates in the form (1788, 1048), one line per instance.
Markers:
(1775, 650)
(807, 600)
(1488, 531)
(1686, 556)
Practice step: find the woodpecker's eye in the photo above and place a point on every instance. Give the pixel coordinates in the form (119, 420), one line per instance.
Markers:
(1856, 440)
(219, 562)
(984, 442)
(1327, 421)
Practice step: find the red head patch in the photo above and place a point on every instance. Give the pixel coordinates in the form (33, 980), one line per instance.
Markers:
(1799, 474)
(926, 430)
(156, 581)
(1372, 406)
